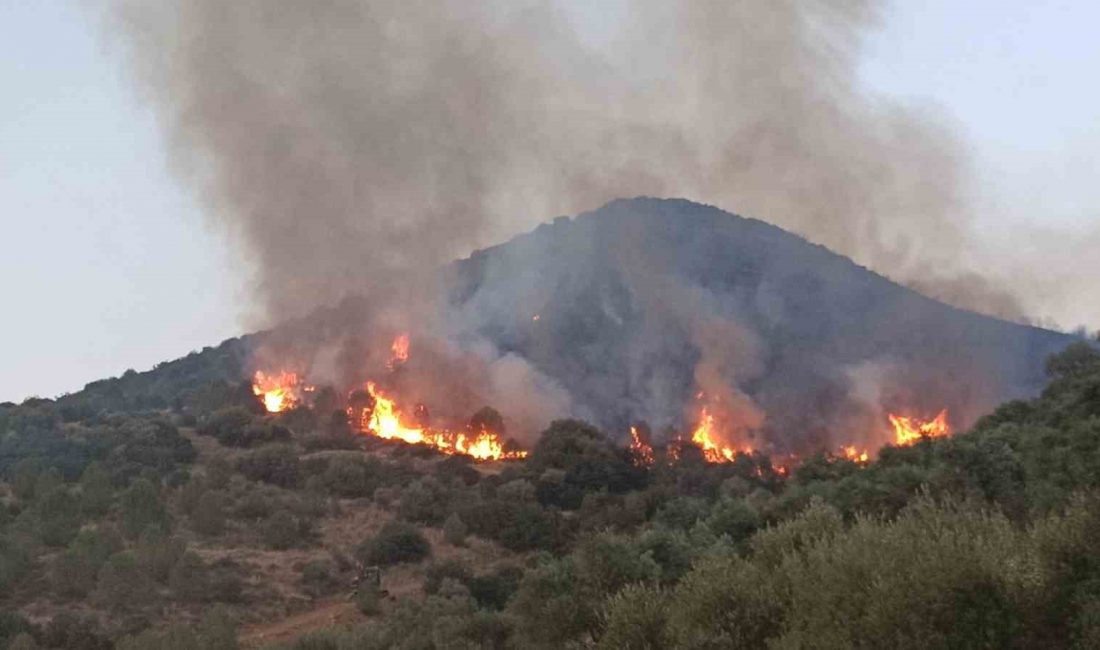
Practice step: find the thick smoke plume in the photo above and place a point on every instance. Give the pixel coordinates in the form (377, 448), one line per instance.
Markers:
(352, 147)
(347, 145)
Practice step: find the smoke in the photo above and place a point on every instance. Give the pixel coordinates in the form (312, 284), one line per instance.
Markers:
(346, 145)
(352, 147)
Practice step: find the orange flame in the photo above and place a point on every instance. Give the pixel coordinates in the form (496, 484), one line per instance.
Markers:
(705, 435)
(278, 392)
(855, 455)
(384, 421)
(643, 452)
(400, 350)
(908, 430)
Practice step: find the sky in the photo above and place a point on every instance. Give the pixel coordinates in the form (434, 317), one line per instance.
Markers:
(107, 262)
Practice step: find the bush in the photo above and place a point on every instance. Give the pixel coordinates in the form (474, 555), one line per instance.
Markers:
(278, 465)
(283, 530)
(351, 477)
(141, 507)
(636, 620)
(122, 585)
(216, 631)
(74, 632)
(368, 601)
(208, 516)
(454, 530)
(426, 501)
(73, 573)
(493, 590)
(396, 543)
(15, 563)
(96, 490)
(12, 625)
(440, 571)
(319, 578)
(157, 551)
(187, 579)
(227, 425)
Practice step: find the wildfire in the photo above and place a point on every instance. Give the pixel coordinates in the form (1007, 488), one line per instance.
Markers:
(643, 452)
(855, 455)
(908, 430)
(704, 436)
(400, 351)
(278, 392)
(384, 420)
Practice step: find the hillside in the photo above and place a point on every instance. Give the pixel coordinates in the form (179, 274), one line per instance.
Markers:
(633, 299)
(169, 509)
(624, 292)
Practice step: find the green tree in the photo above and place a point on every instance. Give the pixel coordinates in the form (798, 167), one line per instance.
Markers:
(122, 585)
(141, 506)
(454, 530)
(395, 543)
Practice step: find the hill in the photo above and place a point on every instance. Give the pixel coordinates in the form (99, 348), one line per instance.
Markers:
(633, 309)
(170, 509)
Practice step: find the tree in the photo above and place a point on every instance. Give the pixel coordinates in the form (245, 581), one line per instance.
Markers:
(283, 530)
(96, 490)
(454, 530)
(277, 464)
(141, 506)
(396, 543)
(122, 585)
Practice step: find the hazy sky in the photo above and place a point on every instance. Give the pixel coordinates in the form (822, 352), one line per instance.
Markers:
(106, 262)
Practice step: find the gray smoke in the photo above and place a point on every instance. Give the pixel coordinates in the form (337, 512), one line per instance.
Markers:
(351, 147)
(346, 145)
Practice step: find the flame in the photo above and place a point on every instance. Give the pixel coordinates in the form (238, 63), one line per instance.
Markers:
(908, 430)
(384, 420)
(706, 433)
(400, 351)
(855, 455)
(278, 392)
(643, 452)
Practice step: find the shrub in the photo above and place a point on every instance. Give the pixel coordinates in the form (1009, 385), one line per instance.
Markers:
(187, 579)
(426, 501)
(74, 572)
(454, 530)
(278, 465)
(283, 530)
(122, 584)
(635, 619)
(96, 490)
(208, 516)
(157, 551)
(396, 543)
(368, 600)
(15, 563)
(141, 506)
(319, 577)
(440, 571)
(493, 590)
(74, 632)
(226, 425)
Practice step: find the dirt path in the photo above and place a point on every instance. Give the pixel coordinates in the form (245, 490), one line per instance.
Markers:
(327, 614)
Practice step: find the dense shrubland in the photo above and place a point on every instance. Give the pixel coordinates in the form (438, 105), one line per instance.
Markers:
(124, 511)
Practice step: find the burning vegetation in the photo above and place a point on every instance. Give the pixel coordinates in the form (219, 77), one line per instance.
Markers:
(909, 430)
(278, 392)
(376, 412)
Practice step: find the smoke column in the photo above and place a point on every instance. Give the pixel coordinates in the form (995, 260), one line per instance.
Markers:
(345, 145)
